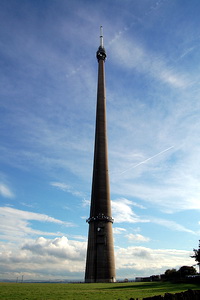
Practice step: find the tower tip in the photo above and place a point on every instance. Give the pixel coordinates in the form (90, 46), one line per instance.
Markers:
(101, 53)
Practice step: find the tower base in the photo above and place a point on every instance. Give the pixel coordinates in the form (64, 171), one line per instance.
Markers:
(100, 280)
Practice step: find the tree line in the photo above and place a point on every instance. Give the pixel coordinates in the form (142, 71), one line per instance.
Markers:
(184, 271)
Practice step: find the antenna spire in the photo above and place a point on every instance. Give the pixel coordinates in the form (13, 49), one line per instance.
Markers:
(101, 36)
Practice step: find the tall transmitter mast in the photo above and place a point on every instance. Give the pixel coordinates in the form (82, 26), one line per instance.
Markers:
(100, 264)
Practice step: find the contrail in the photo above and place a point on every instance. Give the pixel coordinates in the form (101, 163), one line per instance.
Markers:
(146, 160)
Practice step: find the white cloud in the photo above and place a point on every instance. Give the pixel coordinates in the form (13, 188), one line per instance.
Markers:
(44, 259)
(15, 223)
(5, 191)
(66, 188)
(118, 230)
(26, 215)
(86, 202)
(137, 238)
(62, 186)
(61, 248)
(168, 196)
(123, 213)
(171, 225)
(146, 261)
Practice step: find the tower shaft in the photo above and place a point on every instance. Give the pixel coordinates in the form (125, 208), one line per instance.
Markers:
(100, 265)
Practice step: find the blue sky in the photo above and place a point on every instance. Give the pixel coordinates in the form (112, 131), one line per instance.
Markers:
(48, 79)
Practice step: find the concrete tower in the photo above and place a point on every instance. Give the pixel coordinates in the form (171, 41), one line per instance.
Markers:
(100, 264)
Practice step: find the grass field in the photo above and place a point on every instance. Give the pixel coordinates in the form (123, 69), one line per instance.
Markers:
(83, 291)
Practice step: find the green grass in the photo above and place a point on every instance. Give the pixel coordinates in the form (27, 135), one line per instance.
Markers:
(102, 291)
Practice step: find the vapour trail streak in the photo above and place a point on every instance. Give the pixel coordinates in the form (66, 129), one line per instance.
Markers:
(146, 160)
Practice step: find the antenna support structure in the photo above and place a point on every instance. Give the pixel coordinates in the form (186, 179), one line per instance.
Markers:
(101, 52)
